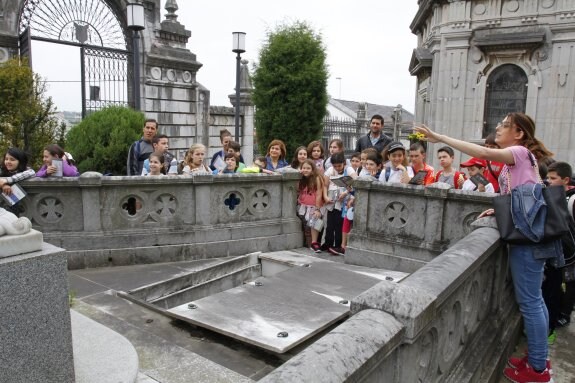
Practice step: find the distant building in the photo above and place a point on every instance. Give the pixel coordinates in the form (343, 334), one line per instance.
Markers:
(476, 61)
(349, 120)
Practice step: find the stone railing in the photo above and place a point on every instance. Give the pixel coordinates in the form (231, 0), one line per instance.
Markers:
(453, 320)
(402, 227)
(105, 221)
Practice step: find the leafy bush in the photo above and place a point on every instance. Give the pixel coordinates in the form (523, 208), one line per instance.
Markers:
(102, 140)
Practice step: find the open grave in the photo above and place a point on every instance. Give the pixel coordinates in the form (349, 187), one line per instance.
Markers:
(274, 301)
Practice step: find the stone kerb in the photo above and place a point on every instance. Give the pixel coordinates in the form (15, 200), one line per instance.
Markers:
(114, 220)
(402, 227)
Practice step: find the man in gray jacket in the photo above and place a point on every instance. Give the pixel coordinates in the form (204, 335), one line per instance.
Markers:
(141, 149)
(375, 138)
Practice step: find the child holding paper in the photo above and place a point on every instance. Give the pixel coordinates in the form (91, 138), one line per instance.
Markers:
(56, 164)
(14, 168)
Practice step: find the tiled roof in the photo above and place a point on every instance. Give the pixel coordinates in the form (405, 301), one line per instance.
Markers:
(383, 110)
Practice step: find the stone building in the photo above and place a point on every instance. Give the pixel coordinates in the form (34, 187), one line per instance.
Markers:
(475, 61)
(168, 90)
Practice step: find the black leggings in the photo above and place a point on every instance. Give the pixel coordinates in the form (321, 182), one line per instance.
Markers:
(333, 228)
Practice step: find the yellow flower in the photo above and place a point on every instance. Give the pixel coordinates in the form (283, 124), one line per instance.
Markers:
(416, 137)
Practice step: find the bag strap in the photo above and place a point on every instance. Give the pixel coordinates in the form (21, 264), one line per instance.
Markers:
(387, 173)
(491, 169)
(570, 204)
(535, 169)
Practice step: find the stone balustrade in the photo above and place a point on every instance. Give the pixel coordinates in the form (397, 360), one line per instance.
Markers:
(402, 227)
(452, 320)
(110, 221)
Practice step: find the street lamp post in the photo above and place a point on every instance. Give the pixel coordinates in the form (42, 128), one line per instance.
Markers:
(136, 22)
(397, 121)
(239, 47)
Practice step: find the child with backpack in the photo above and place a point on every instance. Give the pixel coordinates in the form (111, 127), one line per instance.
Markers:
(396, 170)
(448, 174)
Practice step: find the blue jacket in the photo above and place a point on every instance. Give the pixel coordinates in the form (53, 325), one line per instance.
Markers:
(529, 211)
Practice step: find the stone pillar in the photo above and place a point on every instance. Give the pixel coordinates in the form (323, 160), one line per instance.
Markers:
(247, 113)
(362, 119)
(91, 183)
(35, 329)
(170, 91)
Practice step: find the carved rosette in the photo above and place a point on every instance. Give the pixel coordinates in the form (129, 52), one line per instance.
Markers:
(396, 215)
(49, 210)
(149, 207)
(450, 334)
(235, 203)
(426, 352)
(259, 202)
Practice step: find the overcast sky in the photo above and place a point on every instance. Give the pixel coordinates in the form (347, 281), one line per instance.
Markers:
(368, 43)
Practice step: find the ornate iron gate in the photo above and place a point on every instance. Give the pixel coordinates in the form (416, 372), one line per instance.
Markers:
(105, 78)
(99, 32)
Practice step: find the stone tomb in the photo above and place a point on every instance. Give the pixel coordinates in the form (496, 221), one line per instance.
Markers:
(281, 311)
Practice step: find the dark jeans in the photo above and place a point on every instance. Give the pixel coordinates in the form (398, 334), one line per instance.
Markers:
(551, 288)
(333, 228)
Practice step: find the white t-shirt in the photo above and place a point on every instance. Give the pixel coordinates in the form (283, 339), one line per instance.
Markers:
(469, 185)
(333, 190)
(394, 175)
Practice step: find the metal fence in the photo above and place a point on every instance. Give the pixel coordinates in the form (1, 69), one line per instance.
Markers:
(347, 130)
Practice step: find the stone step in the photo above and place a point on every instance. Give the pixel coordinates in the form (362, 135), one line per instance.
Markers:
(174, 283)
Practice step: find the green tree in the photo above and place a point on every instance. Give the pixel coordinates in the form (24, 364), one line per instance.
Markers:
(290, 83)
(102, 140)
(26, 114)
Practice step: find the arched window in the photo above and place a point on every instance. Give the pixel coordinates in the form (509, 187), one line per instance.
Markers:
(506, 92)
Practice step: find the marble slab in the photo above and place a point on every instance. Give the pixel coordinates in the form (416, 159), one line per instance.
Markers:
(299, 302)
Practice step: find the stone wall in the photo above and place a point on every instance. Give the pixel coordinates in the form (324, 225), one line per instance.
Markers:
(453, 320)
(402, 227)
(462, 43)
(109, 221)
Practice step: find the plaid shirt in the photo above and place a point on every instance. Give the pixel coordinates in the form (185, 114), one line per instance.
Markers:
(20, 176)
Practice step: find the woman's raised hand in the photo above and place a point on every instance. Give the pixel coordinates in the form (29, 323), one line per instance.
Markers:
(429, 134)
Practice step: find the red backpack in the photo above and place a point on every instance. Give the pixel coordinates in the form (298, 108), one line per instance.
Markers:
(456, 177)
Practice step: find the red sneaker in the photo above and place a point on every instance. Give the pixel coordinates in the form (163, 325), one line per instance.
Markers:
(527, 375)
(519, 363)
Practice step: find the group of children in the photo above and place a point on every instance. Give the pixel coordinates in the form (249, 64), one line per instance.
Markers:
(15, 168)
(326, 194)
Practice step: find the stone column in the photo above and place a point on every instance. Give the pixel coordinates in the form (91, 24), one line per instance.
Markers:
(170, 91)
(247, 112)
(91, 183)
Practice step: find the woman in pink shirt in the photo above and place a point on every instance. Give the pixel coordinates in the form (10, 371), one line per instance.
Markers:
(515, 136)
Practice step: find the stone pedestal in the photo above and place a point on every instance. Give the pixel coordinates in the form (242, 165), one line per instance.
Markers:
(20, 244)
(35, 331)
